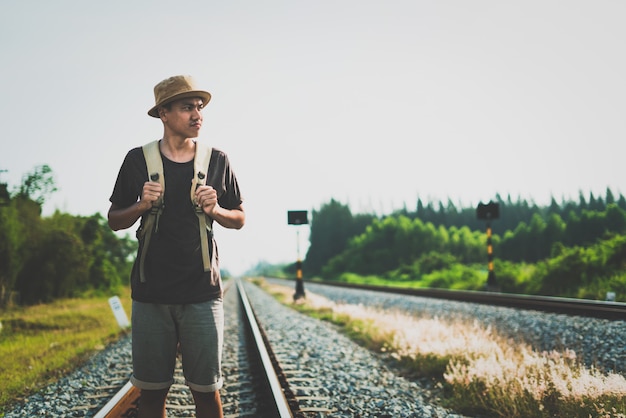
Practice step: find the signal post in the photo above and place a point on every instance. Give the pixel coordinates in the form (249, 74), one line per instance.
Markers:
(487, 212)
(298, 217)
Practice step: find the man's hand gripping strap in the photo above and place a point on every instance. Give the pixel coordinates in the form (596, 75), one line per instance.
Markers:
(201, 163)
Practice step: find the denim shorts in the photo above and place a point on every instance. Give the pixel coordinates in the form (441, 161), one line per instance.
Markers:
(157, 331)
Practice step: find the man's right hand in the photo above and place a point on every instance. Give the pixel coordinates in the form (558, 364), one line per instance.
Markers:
(150, 194)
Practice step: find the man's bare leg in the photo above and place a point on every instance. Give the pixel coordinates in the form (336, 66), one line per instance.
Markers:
(152, 403)
(208, 404)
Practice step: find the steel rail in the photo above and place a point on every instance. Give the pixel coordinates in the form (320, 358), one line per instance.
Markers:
(282, 406)
(126, 399)
(614, 311)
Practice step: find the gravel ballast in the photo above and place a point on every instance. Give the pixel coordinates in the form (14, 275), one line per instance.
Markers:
(353, 381)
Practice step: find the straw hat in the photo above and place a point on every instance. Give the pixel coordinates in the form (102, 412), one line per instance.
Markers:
(174, 88)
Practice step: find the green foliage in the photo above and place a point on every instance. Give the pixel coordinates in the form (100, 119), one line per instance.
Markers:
(598, 289)
(74, 255)
(57, 268)
(424, 366)
(104, 275)
(516, 277)
(434, 261)
(584, 270)
(373, 280)
(331, 228)
(38, 184)
(533, 242)
(399, 241)
(376, 250)
(425, 264)
(569, 250)
(459, 277)
(43, 259)
(11, 240)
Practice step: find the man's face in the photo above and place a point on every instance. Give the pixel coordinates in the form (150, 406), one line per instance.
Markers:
(184, 118)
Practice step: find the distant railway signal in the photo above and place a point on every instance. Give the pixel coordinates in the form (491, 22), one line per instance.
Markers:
(488, 212)
(298, 217)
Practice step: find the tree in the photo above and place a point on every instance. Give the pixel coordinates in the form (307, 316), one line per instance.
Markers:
(11, 240)
(387, 244)
(331, 228)
(554, 232)
(621, 202)
(58, 256)
(609, 198)
(615, 219)
(38, 184)
(56, 268)
(5, 196)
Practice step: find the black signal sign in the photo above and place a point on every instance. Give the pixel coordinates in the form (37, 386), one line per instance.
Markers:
(297, 217)
(488, 211)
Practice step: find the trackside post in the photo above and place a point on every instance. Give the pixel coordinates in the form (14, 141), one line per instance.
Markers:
(118, 311)
(298, 217)
(488, 212)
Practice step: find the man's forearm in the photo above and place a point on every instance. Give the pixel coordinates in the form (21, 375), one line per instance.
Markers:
(123, 218)
(229, 218)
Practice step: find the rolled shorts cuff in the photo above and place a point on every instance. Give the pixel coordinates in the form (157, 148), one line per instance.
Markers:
(206, 388)
(150, 385)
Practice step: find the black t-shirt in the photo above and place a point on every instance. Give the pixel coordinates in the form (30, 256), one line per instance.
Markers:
(173, 265)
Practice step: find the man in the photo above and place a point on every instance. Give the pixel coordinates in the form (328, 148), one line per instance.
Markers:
(177, 300)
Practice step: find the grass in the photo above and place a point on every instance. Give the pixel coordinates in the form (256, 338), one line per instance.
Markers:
(39, 344)
(480, 372)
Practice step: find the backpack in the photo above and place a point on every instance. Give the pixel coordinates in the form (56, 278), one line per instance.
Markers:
(150, 224)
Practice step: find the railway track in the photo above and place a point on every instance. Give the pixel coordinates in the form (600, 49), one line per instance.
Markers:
(255, 384)
(245, 397)
(596, 338)
(321, 373)
(582, 307)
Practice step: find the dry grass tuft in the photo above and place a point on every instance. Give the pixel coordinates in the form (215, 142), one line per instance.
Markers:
(483, 372)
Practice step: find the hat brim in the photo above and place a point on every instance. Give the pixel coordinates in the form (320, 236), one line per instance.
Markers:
(204, 95)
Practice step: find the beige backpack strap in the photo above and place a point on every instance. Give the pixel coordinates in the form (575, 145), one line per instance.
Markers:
(154, 164)
(201, 163)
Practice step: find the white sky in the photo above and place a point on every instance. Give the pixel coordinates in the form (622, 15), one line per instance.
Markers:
(373, 103)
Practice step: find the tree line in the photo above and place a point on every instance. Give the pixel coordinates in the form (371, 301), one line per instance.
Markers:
(42, 259)
(570, 248)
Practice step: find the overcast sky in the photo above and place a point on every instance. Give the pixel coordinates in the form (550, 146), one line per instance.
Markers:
(372, 103)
